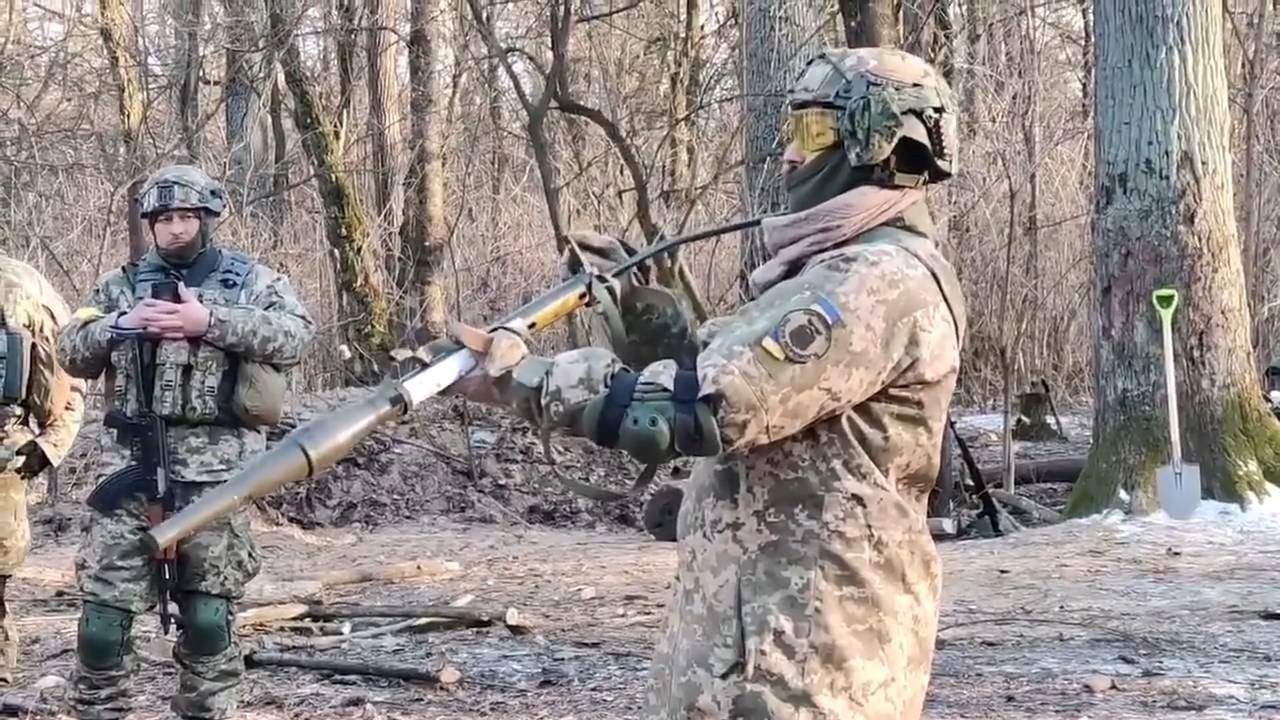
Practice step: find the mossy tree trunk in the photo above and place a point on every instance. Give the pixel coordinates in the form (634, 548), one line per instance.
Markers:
(1164, 218)
(363, 302)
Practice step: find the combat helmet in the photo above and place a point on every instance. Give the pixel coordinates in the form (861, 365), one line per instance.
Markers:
(870, 100)
(180, 187)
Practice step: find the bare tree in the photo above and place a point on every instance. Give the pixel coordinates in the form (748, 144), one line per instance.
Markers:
(363, 298)
(122, 57)
(871, 23)
(384, 113)
(776, 40)
(424, 232)
(683, 92)
(1164, 217)
(246, 95)
(187, 17)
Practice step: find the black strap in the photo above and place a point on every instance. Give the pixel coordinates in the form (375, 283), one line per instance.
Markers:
(622, 388)
(208, 262)
(684, 395)
(202, 268)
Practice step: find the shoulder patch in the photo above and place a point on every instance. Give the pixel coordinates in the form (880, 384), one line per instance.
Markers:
(88, 314)
(804, 334)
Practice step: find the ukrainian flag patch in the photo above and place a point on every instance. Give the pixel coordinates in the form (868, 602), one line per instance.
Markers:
(88, 314)
(803, 334)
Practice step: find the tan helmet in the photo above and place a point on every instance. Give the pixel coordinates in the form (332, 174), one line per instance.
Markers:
(880, 96)
(181, 187)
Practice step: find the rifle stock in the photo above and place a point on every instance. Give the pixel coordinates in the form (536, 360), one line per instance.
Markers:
(317, 445)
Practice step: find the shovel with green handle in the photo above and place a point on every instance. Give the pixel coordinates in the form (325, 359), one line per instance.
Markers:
(1178, 483)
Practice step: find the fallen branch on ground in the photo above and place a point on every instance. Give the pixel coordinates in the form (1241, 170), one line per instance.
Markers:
(379, 573)
(1030, 507)
(18, 707)
(307, 588)
(447, 675)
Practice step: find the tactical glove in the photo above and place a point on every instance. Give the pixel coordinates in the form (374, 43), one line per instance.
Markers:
(33, 459)
(650, 422)
(499, 351)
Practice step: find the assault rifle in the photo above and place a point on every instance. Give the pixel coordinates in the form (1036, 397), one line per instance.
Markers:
(320, 443)
(148, 439)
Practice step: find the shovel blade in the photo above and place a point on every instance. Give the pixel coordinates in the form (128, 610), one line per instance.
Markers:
(1179, 496)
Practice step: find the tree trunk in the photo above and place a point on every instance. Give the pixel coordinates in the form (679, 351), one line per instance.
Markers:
(279, 147)
(348, 24)
(118, 41)
(777, 39)
(1164, 218)
(871, 23)
(683, 90)
(187, 17)
(424, 231)
(498, 157)
(362, 299)
(249, 72)
(1250, 237)
(384, 115)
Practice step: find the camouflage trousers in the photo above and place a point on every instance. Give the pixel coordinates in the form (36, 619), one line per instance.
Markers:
(15, 529)
(15, 543)
(113, 569)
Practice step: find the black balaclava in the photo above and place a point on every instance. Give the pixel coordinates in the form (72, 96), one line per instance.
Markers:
(822, 178)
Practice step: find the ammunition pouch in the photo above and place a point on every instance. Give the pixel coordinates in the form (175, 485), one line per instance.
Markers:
(258, 397)
(15, 364)
(196, 382)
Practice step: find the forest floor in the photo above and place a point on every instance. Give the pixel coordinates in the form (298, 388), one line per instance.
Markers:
(1104, 617)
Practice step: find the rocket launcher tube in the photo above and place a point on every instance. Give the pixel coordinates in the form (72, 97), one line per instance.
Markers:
(319, 444)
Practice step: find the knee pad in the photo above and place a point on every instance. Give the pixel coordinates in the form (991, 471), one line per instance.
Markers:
(206, 623)
(103, 635)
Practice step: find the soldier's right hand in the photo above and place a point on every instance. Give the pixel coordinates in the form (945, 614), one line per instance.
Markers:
(154, 317)
(499, 351)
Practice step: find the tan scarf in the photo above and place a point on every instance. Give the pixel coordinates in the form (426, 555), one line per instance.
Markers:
(792, 239)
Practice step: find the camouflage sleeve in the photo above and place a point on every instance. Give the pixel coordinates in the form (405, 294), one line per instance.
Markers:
(818, 344)
(60, 422)
(84, 342)
(550, 393)
(272, 327)
(658, 327)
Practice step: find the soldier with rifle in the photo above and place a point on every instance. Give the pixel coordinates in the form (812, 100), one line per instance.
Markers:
(193, 342)
(41, 408)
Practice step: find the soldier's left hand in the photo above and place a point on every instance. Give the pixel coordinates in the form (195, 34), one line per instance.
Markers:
(194, 316)
(34, 461)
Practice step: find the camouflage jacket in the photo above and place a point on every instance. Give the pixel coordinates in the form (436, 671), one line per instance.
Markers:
(56, 399)
(808, 581)
(262, 321)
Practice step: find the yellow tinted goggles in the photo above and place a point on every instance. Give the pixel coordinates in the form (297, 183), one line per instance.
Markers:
(811, 130)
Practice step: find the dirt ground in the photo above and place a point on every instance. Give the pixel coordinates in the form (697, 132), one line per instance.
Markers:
(1090, 619)
(1086, 619)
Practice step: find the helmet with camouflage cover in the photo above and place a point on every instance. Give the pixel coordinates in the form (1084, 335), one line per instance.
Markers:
(180, 187)
(870, 100)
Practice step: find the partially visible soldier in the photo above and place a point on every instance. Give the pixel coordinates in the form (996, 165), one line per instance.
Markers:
(220, 361)
(41, 407)
(808, 580)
